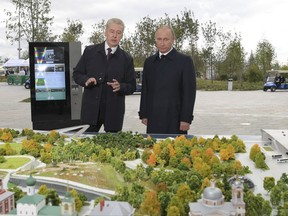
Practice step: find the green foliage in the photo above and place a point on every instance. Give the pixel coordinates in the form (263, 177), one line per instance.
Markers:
(275, 195)
(216, 85)
(2, 159)
(73, 31)
(265, 54)
(260, 161)
(176, 202)
(18, 194)
(12, 132)
(35, 21)
(97, 36)
(256, 205)
(53, 197)
(269, 183)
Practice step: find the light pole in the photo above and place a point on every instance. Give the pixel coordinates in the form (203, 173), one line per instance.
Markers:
(210, 49)
(19, 33)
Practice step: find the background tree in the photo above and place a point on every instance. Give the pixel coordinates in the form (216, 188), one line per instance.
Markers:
(18, 194)
(265, 54)
(43, 189)
(2, 159)
(173, 211)
(136, 195)
(260, 161)
(78, 201)
(253, 73)
(256, 204)
(268, 183)
(185, 195)
(209, 32)
(53, 197)
(255, 149)
(282, 210)
(176, 202)
(234, 61)
(275, 195)
(33, 20)
(177, 25)
(144, 40)
(73, 31)
(191, 30)
(150, 205)
(97, 36)
(285, 196)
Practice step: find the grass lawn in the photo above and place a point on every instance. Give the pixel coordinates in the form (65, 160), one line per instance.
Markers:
(14, 163)
(96, 175)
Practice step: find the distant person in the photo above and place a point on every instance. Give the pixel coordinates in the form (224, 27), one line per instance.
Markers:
(107, 76)
(22, 72)
(278, 80)
(168, 88)
(282, 79)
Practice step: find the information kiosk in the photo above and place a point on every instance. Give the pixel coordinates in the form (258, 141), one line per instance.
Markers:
(55, 97)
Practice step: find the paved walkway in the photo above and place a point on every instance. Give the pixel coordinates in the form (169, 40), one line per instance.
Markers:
(216, 112)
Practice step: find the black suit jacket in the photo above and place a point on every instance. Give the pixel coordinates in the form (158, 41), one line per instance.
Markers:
(93, 63)
(168, 92)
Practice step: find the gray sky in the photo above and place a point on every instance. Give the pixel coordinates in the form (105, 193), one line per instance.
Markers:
(255, 20)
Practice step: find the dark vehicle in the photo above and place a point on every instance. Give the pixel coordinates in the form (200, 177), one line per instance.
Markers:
(276, 79)
(27, 84)
(138, 71)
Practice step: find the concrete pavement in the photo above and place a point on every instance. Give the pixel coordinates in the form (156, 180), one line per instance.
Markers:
(216, 112)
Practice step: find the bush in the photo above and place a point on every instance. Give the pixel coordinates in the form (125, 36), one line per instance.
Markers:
(2, 159)
(216, 85)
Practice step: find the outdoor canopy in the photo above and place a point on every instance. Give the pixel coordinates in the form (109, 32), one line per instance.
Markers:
(16, 63)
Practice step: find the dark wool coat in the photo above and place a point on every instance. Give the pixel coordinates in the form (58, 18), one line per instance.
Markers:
(93, 63)
(168, 92)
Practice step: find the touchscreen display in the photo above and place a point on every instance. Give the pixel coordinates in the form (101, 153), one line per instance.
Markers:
(49, 64)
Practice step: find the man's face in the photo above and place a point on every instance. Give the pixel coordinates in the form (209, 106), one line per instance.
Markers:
(164, 39)
(114, 34)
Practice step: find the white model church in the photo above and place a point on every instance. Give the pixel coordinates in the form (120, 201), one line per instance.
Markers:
(213, 204)
(35, 204)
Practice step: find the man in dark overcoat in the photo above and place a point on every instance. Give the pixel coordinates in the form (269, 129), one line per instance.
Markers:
(168, 88)
(107, 74)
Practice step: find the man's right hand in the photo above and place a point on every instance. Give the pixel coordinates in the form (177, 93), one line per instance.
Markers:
(91, 81)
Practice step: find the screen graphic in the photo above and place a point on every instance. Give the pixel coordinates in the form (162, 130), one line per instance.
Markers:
(49, 65)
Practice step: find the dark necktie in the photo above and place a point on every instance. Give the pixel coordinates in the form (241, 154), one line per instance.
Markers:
(162, 56)
(109, 53)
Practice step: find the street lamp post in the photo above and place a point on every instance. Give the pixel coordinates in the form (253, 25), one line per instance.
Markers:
(19, 33)
(210, 49)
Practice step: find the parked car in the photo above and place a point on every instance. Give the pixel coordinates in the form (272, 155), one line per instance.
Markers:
(276, 79)
(138, 71)
(138, 87)
(27, 84)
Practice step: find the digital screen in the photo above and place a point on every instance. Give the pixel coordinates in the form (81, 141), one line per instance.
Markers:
(49, 64)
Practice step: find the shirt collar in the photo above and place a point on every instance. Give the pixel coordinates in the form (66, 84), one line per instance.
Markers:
(166, 52)
(113, 48)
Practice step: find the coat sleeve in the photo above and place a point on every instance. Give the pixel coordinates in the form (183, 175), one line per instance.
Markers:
(128, 85)
(79, 73)
(143, 100)
(188, 91)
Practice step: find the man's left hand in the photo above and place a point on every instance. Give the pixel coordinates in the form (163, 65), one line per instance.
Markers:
(114, 84)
